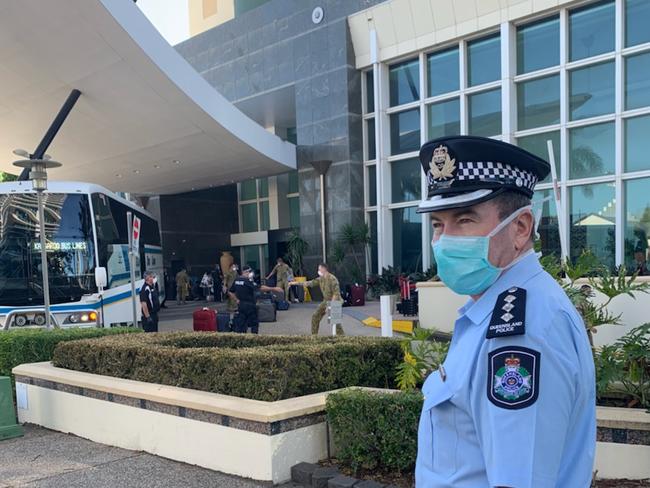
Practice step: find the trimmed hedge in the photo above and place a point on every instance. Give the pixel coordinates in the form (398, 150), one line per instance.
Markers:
(34, 345)
(264, 368)
(375, 430)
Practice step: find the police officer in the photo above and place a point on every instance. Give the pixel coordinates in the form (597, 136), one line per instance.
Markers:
(149, 303)
(243, 292)
(329, 286)
(513, 404)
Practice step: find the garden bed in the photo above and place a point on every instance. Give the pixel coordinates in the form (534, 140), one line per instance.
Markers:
(266, 368)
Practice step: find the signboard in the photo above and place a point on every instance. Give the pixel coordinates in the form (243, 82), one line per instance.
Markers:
(135, 238)
(336, 311)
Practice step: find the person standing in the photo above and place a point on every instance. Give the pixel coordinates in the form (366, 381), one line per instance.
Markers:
(206, 285)
(329, 286)
(513, 404)
(281, 272)
(243, 292)
(182, 286)
(149, 303)
(229, 278)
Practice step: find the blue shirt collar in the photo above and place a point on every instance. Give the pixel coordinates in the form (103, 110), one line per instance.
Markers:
(517, 275)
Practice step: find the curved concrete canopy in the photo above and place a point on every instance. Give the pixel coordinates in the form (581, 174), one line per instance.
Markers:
(142, 107)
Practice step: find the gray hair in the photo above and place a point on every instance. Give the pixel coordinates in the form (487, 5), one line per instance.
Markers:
(147, 274)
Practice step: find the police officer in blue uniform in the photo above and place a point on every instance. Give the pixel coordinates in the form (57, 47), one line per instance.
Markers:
(513, 404)
(244, 292)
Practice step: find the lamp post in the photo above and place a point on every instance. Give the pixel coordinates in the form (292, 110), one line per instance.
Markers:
(38, 174)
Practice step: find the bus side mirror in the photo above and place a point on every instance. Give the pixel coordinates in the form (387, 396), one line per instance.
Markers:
(100, 278)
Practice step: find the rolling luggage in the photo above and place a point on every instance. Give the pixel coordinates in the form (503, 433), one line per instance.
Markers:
(204, 319)
(223, 322)
(278, 296)
(282, 305)
(357, 295)
(266, 311)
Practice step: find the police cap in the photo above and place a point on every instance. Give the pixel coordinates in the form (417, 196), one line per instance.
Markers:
(246, 269)
(465, 170)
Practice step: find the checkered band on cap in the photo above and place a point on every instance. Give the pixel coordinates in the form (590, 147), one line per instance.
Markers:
(496, 171)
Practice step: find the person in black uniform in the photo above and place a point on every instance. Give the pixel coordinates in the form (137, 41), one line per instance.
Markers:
(243, 291)
(150, 303)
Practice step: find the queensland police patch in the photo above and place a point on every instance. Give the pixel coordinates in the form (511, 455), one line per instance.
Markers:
(513, 377)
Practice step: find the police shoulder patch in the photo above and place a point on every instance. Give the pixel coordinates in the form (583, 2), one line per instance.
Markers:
(513, 377)
(509, 314)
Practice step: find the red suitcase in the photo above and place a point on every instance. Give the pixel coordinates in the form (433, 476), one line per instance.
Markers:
(204, 319)
(357, 295)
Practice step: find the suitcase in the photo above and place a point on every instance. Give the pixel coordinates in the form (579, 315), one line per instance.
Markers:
(282, 305)
(278, 296)
(204, 319)
(265, 311)
(223, 322)
(357, 295)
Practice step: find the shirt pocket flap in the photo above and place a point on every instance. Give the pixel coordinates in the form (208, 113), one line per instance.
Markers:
(435, 391)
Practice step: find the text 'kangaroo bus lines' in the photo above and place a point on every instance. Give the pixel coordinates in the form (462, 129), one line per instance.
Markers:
(85, 229)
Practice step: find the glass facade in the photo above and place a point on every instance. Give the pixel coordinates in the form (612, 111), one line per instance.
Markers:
(637, 225)
(565, 81)
(249, 217)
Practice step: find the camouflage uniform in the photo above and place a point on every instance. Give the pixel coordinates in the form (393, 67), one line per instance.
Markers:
(282, 275)
(329, 286)
(228, 279)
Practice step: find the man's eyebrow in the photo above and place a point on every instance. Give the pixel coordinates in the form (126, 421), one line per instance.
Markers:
(456, 213)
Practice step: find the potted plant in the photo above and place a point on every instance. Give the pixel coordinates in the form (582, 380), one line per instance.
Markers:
(351, 243)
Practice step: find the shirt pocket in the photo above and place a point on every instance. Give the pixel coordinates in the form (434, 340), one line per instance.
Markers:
(441, 412)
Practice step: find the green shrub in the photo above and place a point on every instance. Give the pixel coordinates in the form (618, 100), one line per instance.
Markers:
(264, 368)
(34, 345)
(375, 430)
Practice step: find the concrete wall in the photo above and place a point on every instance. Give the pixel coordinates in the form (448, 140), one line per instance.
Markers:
(274, 46)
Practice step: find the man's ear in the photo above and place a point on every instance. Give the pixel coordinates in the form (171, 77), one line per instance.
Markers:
(524, 227)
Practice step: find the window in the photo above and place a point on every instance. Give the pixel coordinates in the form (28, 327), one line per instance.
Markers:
(538, 102)
(293, 182)
(404, 82)
(294, 212)
(249, 217)
(372, 186)
(374, 248)
(484, 61)
(263, 187)
(548, 227)
(405, 180)
(637, 81)
(443, 72)
(372, 146)
(637, 19)
(370, 92)
(405, 131)
(292, 135)
(444, 118)
(248, 190)
(637, 225)
(536, 144)
(264, 215)
(407, 239)
(593, 217)
(637, 143)
(592, 91)
(538, 45)
(251, 256)
(591, 150)
(591, 30)
(485, 113)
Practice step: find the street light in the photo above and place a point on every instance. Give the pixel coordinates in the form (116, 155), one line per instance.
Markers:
(38, 174)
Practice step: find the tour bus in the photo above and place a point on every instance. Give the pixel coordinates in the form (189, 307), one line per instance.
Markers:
(87, 253)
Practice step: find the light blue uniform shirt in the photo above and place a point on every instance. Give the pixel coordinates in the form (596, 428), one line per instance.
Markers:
(465, 439)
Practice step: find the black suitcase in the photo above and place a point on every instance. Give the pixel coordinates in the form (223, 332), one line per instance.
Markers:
(223, 322)
(266, 311)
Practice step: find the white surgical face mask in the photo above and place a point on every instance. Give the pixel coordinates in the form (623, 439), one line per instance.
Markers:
(320, 273)
(251, 275)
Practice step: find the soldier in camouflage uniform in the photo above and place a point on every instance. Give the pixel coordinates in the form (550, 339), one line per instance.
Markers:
(331, 290)
(229, 278)
(281, 271)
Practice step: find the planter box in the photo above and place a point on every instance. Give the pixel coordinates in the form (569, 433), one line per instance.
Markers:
(224, 433)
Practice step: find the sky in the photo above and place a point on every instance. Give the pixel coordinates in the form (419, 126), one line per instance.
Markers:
(170, 17)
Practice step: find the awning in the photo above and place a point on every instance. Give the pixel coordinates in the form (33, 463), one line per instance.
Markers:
(146, 121)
